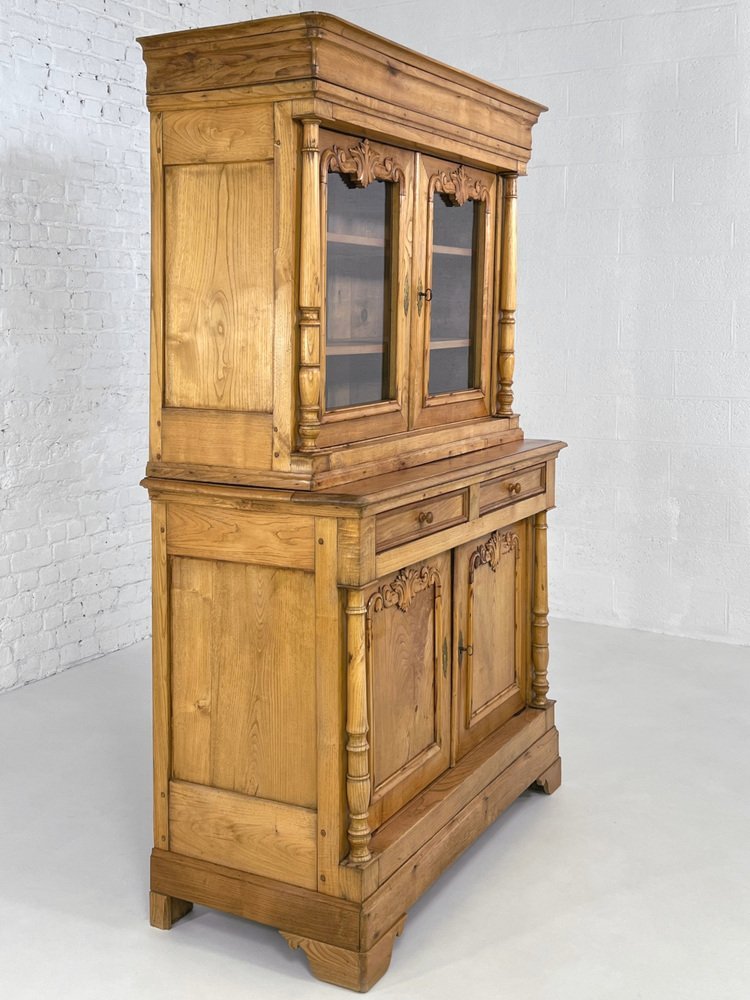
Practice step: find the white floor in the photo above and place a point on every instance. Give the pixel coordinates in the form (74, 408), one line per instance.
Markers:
(630, 883)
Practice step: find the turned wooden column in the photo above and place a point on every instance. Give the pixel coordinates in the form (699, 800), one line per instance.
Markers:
(506, 359)
(357, 747)
(539, 612)
(310, 289)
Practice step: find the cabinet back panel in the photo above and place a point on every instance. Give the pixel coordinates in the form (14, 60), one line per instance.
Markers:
(243, 678)
(219, 286)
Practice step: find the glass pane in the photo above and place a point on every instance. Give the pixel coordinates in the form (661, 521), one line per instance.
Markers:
(455, 307)
(359, 283)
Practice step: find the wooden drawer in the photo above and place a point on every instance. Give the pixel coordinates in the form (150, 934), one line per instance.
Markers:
(511, 488)
(418, 519)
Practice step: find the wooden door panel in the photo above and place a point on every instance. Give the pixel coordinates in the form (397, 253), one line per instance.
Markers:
(490, 634)
(408, 636)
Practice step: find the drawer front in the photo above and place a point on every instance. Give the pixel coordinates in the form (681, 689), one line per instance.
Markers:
(508, 489)
(420, 519)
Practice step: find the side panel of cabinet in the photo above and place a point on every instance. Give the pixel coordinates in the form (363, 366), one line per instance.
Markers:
(242, 693)
(407, 651)
(491, 637)
(223, 274)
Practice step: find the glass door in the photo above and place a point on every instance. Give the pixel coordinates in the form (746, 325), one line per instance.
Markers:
(366, 197)
(454, 294)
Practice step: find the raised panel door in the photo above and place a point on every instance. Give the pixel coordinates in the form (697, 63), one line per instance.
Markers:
(491, 639)
(408, 682)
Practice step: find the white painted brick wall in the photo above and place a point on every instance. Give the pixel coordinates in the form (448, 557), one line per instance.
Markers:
(634, 319)
(74, 231)
(634, 297)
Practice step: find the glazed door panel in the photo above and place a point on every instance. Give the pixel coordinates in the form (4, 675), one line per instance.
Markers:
(490, 644)
(407, 644)
(366, 219)
(454, 242)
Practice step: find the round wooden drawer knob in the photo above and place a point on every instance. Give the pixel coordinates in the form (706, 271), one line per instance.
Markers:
(514, 488)
(426, 517)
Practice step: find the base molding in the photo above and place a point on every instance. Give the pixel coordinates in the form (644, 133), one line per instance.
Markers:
(349, 942)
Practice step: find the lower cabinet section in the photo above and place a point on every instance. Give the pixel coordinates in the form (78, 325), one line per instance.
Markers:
(325, 746)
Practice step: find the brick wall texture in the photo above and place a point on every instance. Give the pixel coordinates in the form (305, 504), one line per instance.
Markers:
(633, 323)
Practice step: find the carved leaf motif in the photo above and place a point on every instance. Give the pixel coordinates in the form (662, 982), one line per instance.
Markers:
(402, 590)
(458, 187)
(362, 164)
(489, 553)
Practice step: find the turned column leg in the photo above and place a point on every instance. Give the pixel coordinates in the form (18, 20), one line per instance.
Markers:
(539, 621)
(506, 358)
(166, 910)
(357, 746)
(355, 970)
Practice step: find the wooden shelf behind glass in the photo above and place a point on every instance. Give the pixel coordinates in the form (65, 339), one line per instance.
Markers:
(351, 348)
(354, 240)
(447, 345)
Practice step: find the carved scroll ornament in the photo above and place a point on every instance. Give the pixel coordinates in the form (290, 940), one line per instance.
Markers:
(489, 553)
(458, 187)
(361, 163)
(402, 590)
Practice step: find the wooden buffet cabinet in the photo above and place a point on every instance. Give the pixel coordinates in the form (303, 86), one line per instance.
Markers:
(349, 528)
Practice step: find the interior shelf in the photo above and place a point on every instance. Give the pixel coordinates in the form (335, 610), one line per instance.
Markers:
(444, 345)
(354, 240)
(455, 251)
(352, 347)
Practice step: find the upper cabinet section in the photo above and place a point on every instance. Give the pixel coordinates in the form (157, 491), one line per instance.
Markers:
(333, 254)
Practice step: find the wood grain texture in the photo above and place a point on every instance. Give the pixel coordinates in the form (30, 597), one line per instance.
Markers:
(241, 536)
(269, 901)
(551, 780)
(219, 286)
(354, 970)
(218, 438)
(249, 833)
(331, 695)
(218, 135)
(489, 636)
(156, 351)
(285, 257)
(243, 679)
(507, 332)
(539, 612)
(395, 842)
(408, 679)
(426, 865)
(160, 672)
(166, 910)
(406, 523)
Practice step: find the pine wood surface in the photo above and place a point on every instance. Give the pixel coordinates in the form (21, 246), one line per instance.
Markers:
(350, 604)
